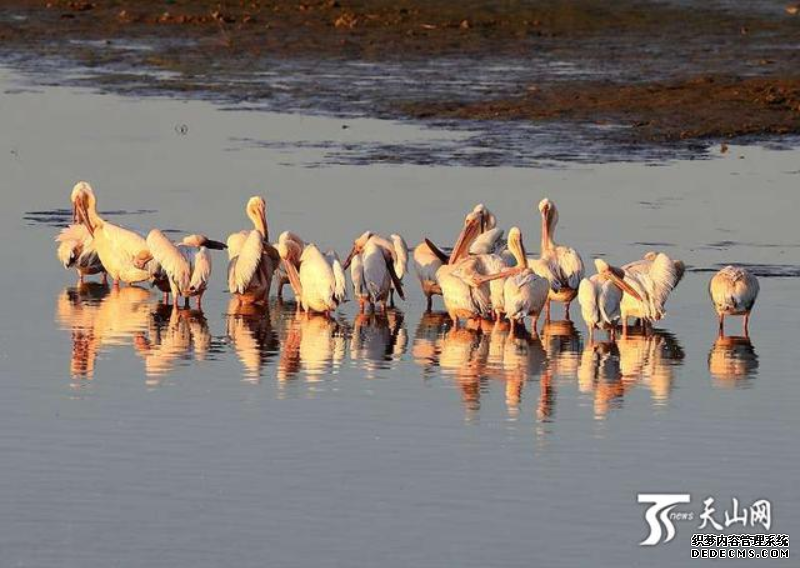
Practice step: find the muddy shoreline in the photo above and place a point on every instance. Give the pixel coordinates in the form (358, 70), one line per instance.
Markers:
(662, 71)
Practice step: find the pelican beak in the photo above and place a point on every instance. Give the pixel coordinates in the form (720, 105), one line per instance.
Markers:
(468, 234)
(353, 251)
(80, 209)
(140, 260)
(263, 215)
(294, 279)
(617, 276)
(216, 245)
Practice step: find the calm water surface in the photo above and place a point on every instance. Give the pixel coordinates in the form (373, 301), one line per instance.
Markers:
(132, 435)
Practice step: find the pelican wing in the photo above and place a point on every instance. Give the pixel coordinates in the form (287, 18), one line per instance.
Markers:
(357, 276)
(201, 271)
(570, 267)
(125, 243)
(487, 242)
(609, 300)
(243, 267)
(587, 298)
(340, 280)
(235, 243)
(400, 256)
(171, 259)
(663, 276)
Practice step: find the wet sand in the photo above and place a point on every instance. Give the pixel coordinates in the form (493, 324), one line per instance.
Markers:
(668, 71)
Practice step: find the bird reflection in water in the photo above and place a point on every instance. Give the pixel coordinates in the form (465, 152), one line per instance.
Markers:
(250, 331)
(475, 358)
(600, 374)
(650, 360)
(98, 318)
(732, 362)
(313, 345)
(378, 340)
(563, 344)
(173, 335)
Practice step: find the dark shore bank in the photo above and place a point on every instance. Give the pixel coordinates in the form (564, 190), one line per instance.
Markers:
(668, 71)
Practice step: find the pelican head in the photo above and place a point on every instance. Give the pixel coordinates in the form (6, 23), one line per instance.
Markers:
(198, 241)
(83, 201)
(358, 246)
(516, 247)
(472, 228)
(615, 275)
(489, 221)
(257, 212)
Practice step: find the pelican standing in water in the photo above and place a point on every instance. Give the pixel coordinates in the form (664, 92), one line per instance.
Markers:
(562, 266)
(183, 269)
(374, 263)
(428, 259)
(465, 294)
(646, 291)
(734, 291)
(252, 258)
(600, 296)
(319, 285)
(117, 247)
(295, 245)
(524, 292)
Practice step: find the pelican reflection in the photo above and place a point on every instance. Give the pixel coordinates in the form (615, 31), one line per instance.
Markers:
(600, 374)
(378, 340)
(250, 332)
(174, 335)
(732, 361)
(650, 360)
(313, 345)
(563, 344)
(98, 318)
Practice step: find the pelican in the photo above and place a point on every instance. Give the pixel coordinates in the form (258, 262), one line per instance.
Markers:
(319, 285)
(374, 263)
(428, 258)
(296, 243)
(646, 264)
(560, 265)
(600, 296)
(465, 294)
(734, 291)
(252, 259)
(76, 250)
(524, 292)
(646, 291)
(117, 247)
(185, 268)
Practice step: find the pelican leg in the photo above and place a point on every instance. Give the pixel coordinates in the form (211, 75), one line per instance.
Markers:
(80, 279)
(383, 307)
(454, 317)
(721, 325)
(200, 302)
(566, 310)
(624, 326)
(429, 306)
(391, 298)
(612, 333)
(591, 335)
(280, 290)
(746, 324)
(186, 303)
(116, 284)
(534, 326)
(165, 298)
(547, 311)
(105, 279)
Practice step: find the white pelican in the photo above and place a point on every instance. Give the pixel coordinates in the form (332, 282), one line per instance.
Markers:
(646, 263)
(465, 294)
(116, 247)
(428, 258)
(76, 250)
(734, 291)
(374, 262)
(319, 285)
(524, 292)
(252, 258)
(561, 265)
(297, 244)
(600, 297)
(185, 268)
(646, 291)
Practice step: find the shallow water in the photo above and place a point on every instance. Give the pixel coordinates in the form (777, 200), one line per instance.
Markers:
(133, 435)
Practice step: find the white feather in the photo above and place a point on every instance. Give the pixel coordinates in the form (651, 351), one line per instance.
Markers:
(243, 267)
(172, 261)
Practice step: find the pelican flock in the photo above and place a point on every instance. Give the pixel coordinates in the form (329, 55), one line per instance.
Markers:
(484, 279)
